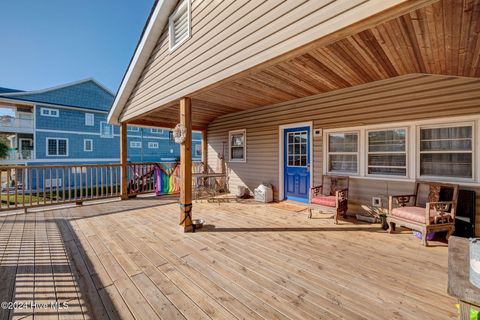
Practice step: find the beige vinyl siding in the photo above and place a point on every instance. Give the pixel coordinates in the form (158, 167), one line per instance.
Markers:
(410, 97)
(229, 37)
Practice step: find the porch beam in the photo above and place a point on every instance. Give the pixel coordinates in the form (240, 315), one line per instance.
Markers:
(123, 160)
(186, 166)
(161, 124)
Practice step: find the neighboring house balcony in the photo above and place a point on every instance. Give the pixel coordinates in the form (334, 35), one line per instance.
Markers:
(16, 155)
(16, 119)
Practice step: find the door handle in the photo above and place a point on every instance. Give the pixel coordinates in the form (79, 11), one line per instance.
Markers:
(308, 167)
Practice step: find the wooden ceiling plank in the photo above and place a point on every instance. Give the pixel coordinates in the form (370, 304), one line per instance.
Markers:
(300, 72)
(464, 35)
(281, 73)
(286, 86)
(337, 64)
(413, 43)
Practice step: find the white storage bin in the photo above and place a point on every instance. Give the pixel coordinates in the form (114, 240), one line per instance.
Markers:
(264, 193)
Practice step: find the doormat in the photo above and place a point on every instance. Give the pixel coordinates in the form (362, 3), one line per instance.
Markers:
(290, 206)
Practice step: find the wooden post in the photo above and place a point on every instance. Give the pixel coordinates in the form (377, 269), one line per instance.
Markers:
(123, 161)
(186, 166)
(204, 151)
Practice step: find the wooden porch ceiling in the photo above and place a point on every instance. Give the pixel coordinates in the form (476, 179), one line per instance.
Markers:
(440, 38)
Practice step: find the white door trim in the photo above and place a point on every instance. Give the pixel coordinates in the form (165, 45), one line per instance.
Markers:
(281, 133)
(20, 149)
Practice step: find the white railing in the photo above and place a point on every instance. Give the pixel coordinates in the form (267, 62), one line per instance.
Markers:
(14, 155)
(12, 122)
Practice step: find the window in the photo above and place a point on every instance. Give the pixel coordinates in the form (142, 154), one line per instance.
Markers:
(237, 145)
(179, 25)
(153, 145)
(135, 144)
(387, 152)
(106, 130)
(89, 119)
(446, 151)
(156, 130)
(47, 112)
(57, 147)
(198, 150)
(87, 145)
(297, 148)
(132, 129)
(342, 150)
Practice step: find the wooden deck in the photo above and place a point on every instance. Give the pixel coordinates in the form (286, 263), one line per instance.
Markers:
(129, 259)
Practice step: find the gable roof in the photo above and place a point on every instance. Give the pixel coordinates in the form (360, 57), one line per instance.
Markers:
(8, 90)
(88, 94)
(154, 27)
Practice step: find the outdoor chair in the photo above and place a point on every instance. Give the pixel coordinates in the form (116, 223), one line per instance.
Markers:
(430, 209)
(330, 197)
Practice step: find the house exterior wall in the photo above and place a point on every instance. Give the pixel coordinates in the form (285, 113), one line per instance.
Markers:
(70, 124)
(402, 99)
(229, 37)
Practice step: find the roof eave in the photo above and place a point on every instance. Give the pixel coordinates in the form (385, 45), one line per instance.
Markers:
(152, 33)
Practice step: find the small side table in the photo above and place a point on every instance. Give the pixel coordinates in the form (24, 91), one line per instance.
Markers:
(459, 285)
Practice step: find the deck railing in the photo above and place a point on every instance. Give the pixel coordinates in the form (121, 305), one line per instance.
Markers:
(29, 186)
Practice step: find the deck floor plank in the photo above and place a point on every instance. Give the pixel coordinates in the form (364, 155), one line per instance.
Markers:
(130, 260)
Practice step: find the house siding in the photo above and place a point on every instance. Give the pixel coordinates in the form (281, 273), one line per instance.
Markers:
(230, 37)
(70, 124)
(404, 98)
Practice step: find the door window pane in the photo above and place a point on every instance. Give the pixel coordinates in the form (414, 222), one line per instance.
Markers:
(297, 149)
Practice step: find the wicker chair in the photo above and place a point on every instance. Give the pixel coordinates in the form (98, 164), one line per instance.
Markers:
(334, 199)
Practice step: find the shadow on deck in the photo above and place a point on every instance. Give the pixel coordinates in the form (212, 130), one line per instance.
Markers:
(129, 259)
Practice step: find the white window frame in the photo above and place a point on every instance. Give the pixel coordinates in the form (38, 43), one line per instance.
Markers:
(474, 151)
(132, 129)
(89, 119)
(85, 145)
(136, 144)
(230, 133)
(152, 145)
(155, 130)
(407, 153)
(328, 153)
(49, 112)
(103, 135)
(55, 155)
(173, 46)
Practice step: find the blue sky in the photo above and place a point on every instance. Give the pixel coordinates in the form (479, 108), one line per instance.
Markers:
(45, 43)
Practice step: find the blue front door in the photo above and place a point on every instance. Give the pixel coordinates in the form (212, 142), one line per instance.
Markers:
(296, 163)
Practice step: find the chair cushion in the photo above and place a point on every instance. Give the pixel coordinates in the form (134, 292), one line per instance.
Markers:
(328, 201)
(416, 214)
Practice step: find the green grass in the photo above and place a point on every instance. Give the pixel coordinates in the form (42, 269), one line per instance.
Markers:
(41, 197)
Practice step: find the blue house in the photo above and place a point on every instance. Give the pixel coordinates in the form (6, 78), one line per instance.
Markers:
(67, 125)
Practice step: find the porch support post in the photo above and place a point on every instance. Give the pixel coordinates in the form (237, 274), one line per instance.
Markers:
(123, 160)
(186, 166)
(204, 151)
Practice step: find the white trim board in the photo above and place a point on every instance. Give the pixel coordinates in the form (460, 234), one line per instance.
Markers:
(281, 182)
(67, 160)
(52, 105)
